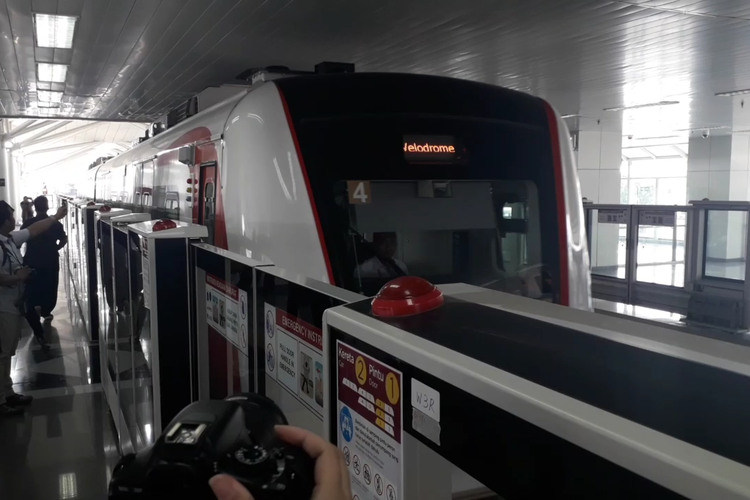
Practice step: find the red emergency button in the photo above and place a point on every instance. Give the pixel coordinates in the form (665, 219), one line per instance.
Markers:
(163, 224)
(406, 296)
(105, 208)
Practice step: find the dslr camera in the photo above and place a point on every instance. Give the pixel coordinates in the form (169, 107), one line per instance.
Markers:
(236, 437)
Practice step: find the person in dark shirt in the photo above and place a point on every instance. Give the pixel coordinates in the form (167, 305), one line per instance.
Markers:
(42, 256)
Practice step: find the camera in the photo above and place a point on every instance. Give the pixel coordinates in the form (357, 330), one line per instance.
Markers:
(235, 436)
(705, 134)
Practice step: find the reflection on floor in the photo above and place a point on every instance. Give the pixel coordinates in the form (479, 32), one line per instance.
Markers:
(661, 264)
(64, 447)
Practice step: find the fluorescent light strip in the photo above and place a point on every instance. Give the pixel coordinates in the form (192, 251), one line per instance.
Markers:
(732, 93)
(48, 96)
(52, 72)
(54, 31)
(42, 104)
(565, 117)
(639, 106)
(718, 127)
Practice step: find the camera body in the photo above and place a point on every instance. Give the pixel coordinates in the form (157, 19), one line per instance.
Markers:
(235, 437)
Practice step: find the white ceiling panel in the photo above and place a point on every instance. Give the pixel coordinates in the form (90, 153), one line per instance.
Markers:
(137, 59)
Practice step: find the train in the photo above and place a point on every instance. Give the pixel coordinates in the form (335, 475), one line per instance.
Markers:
(354, 179)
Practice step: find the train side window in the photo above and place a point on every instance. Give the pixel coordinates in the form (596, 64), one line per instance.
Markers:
(172, 204)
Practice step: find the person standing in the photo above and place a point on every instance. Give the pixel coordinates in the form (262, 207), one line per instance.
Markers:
(13, 275)
(43, 257)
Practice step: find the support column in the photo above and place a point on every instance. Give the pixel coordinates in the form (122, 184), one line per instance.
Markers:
(599, 160)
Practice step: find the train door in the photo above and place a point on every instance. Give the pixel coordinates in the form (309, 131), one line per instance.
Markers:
(207, 206)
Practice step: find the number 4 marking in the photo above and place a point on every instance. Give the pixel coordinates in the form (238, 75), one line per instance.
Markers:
(359, 192)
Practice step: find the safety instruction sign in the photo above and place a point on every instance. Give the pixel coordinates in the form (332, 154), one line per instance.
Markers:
(370, 429)
(616, 216)
(227, 311)
(657, 218)
(294, 356)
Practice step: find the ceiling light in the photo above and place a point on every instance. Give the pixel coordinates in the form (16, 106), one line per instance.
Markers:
(52, 72)
(651, 138)
(733, 93)
(718, 127)
(639, 106)
(42, 104)
(49, 96)
(564, 117)
(54, 31)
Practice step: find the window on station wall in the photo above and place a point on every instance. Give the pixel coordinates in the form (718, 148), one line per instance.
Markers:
(654, 181)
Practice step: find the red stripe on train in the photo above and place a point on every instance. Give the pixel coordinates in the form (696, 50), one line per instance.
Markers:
(562, 214)
(309, 188)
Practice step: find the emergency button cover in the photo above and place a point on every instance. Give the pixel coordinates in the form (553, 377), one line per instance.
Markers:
(406, 296)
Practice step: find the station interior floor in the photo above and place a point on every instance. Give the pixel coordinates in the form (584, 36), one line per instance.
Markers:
(64, 447)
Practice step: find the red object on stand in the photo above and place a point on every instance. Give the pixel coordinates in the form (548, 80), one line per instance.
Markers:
(163, 224)
(406, 296)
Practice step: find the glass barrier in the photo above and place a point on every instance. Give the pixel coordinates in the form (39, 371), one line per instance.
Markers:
(608, 242)
(725, 243)
(660, 254)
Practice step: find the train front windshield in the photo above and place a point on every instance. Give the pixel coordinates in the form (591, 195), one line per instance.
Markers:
(484, 233)
(445, 179)
(485, 214)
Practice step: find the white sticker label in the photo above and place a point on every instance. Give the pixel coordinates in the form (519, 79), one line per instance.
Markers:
(425, 399)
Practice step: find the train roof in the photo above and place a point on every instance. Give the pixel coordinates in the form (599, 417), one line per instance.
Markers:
(360, 93)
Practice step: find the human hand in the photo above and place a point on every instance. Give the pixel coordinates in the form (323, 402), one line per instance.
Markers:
(24, 273)
(62, 212)
(331, 475)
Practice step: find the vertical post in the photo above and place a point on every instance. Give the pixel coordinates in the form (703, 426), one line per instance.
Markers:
(746, 285)
(631, 252)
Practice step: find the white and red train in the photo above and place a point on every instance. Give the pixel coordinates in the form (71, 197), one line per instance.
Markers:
(354, 179)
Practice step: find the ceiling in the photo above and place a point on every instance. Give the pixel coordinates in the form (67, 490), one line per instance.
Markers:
(137, 59)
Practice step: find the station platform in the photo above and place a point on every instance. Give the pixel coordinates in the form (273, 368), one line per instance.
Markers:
(64, 447)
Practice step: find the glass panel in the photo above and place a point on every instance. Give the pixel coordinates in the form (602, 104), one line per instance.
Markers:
(123, 329)
(624, 192)
(660, 256)
(726, 245)
(140, 347)
(643, 191)
(607, 247)
(672, 191)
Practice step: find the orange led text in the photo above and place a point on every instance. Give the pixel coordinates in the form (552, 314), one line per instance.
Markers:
(428, 148)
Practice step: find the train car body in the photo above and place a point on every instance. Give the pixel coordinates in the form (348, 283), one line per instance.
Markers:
(355, 179)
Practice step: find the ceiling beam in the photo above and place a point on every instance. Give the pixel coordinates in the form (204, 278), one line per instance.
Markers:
(59, 136)
(74, 156)
(33, 138)
(62, 148)
(24, 126)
